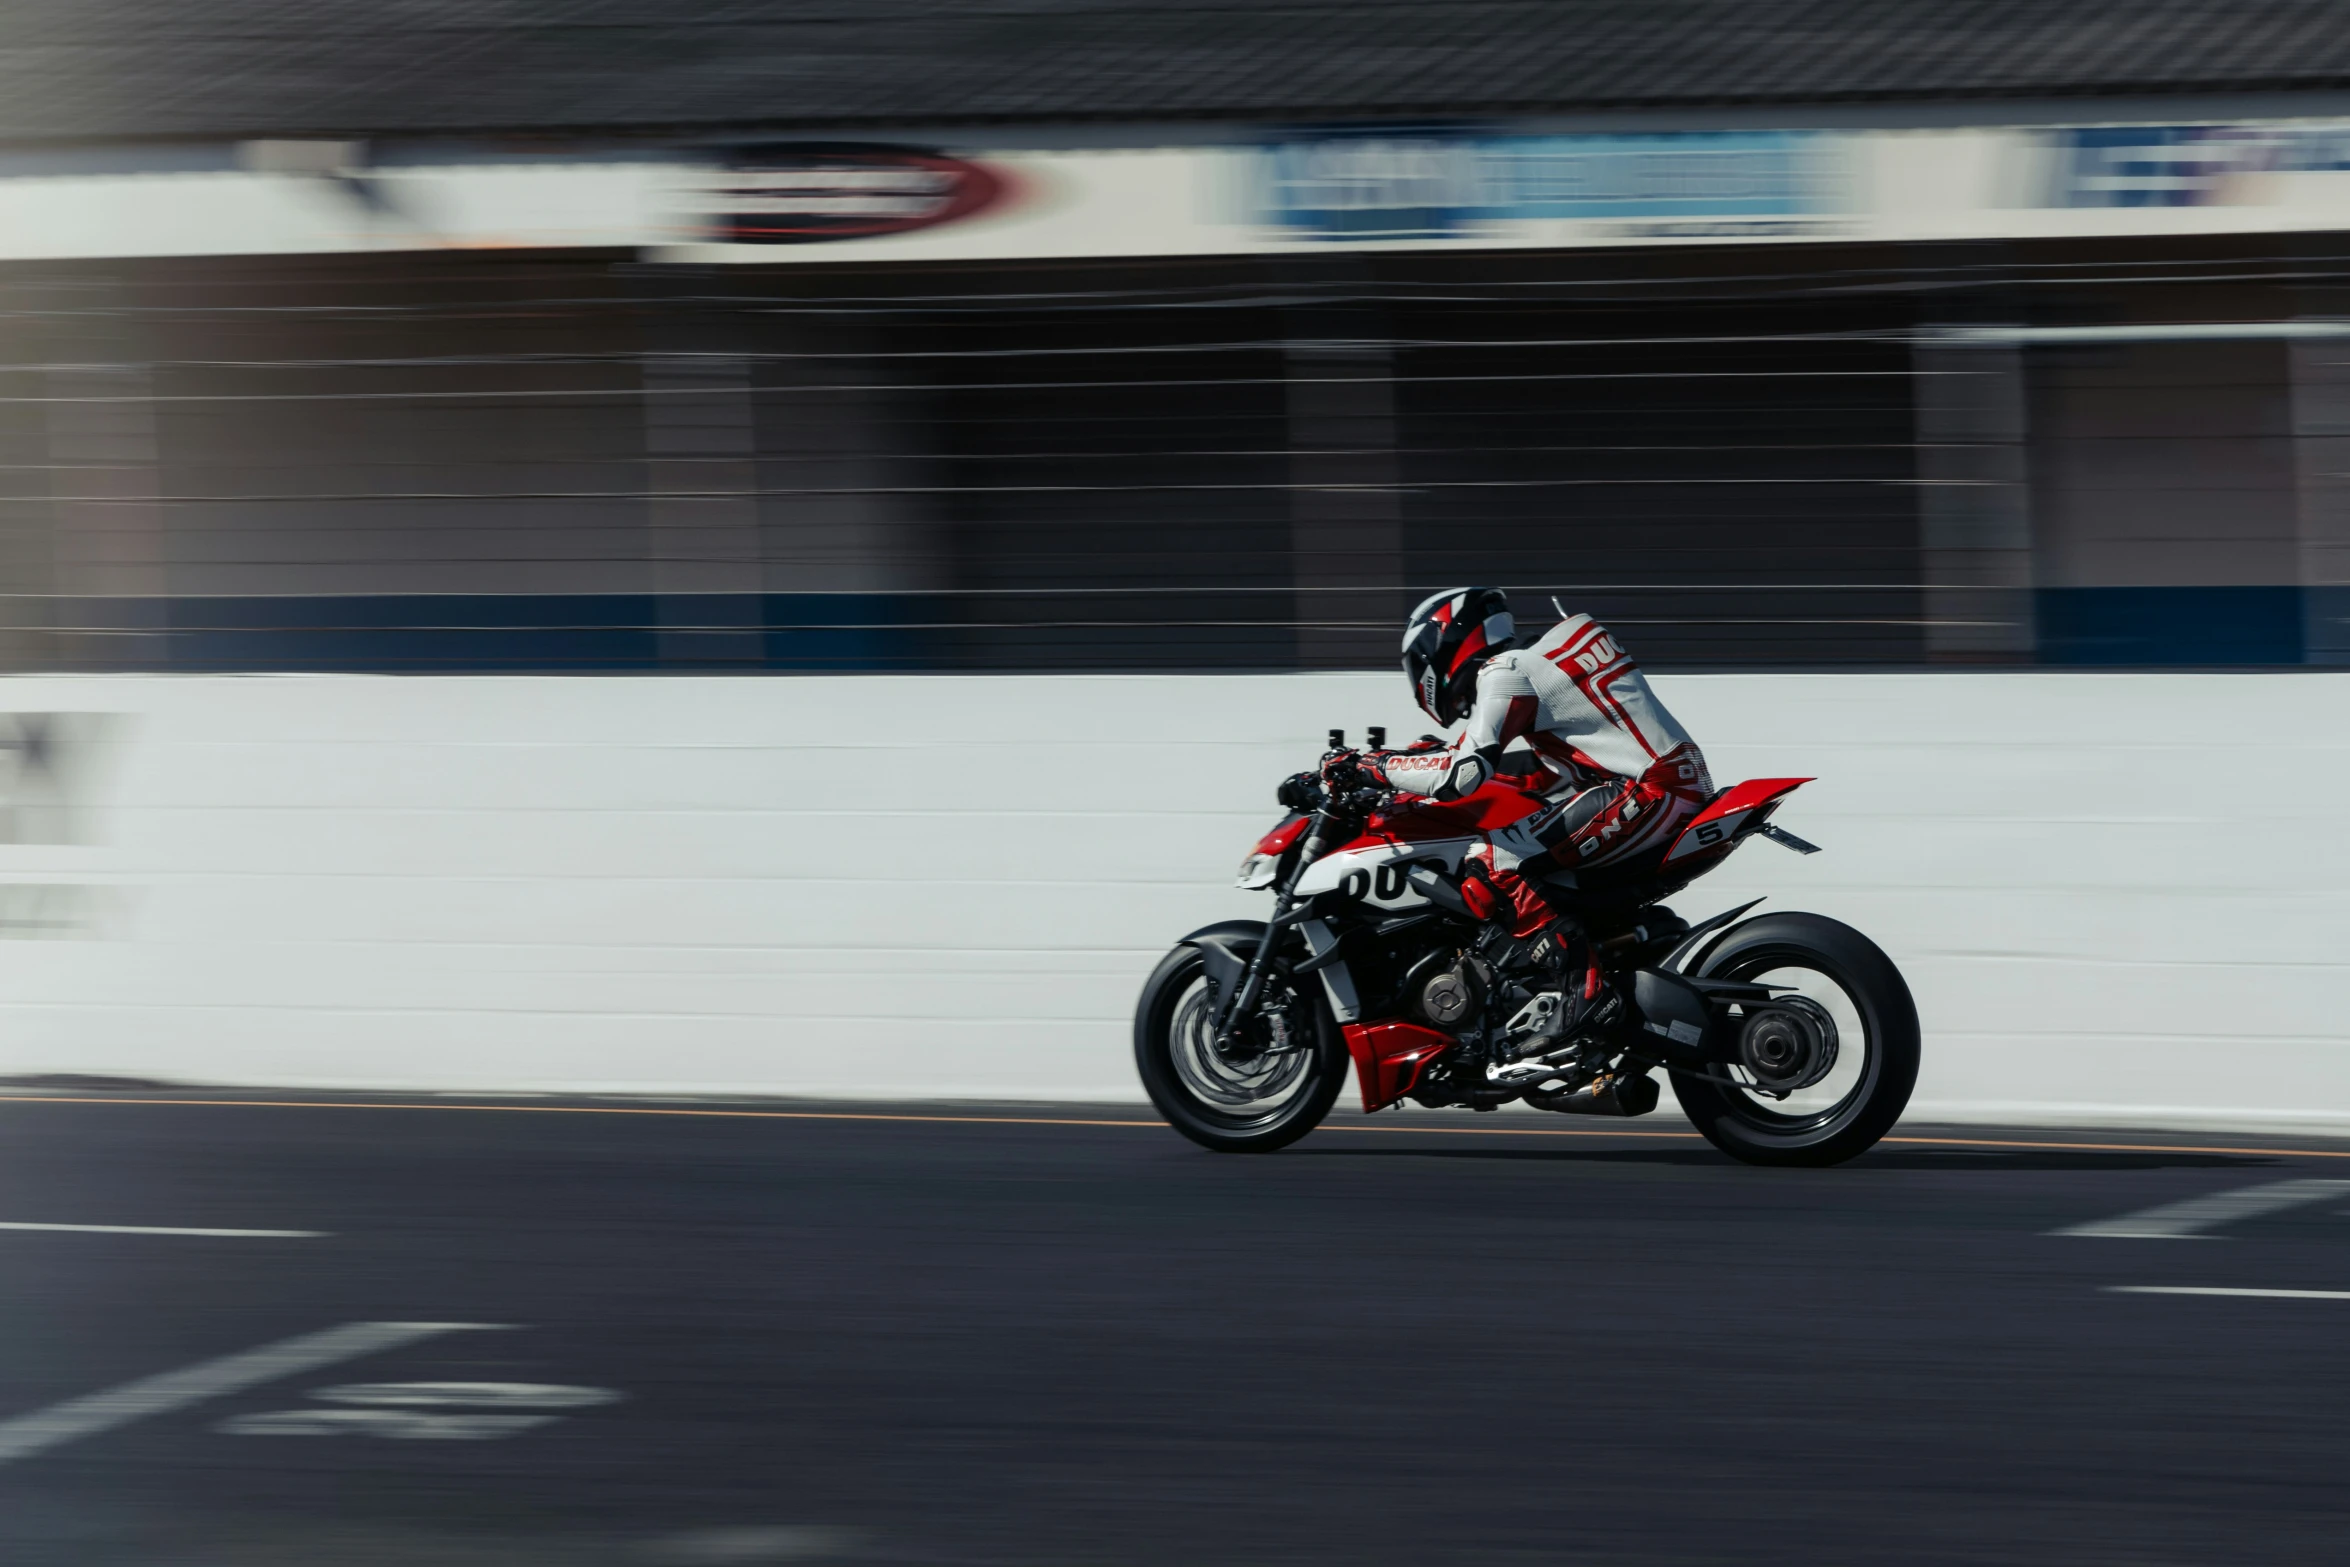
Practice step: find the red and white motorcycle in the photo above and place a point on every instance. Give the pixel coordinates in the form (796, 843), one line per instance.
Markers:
(1789, 1038)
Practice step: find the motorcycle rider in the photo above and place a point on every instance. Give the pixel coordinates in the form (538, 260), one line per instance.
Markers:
(1621, 774)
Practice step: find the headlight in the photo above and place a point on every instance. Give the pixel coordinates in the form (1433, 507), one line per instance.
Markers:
(1257, 870)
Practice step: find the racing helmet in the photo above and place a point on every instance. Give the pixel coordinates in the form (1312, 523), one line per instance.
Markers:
(1447, 640)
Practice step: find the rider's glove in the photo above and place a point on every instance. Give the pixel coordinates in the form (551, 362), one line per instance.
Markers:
(1300, 791)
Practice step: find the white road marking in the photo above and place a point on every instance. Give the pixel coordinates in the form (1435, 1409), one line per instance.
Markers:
(393, 1410)
(76, 1418)
(740, 1547)
(169, 1229)
(2202, 1289)
(2184, 1221)
(407, 1425)
(477, 1395)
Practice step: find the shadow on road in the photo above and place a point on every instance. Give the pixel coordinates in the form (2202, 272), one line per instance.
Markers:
(1941, 1160)
(1568, 1155)
(2058, 1159)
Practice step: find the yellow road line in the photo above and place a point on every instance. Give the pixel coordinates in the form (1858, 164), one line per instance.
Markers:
(1986, 1142)
(1059, 1120)
(755, 1115)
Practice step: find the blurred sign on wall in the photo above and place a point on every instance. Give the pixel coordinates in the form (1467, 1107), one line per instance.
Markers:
(803, 195)
(2193, 165)
(1388, 187)
(1294, 191)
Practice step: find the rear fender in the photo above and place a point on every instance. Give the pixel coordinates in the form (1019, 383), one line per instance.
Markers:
(1677, 961)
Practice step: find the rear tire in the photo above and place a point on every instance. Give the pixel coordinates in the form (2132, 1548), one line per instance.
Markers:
(1233, 1105)
(1742, 1124)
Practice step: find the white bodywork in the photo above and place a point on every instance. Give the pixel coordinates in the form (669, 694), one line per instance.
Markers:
(1377, 874)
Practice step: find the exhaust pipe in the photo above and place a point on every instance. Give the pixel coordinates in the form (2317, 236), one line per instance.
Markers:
(1616, 1093)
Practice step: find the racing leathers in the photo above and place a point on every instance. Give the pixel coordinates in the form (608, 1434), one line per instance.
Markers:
(1622, 776)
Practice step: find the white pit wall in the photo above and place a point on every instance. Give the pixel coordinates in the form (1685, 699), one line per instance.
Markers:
(2118, 897)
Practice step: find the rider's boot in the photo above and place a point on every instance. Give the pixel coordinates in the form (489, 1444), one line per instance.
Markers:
(1503, 895)
(1554, 1015)
(1548, 940)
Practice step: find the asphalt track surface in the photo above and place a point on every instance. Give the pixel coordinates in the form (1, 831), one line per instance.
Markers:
(1025, 1337)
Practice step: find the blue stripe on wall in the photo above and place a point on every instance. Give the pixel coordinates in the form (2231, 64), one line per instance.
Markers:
(492, 633)
(2325, 618)
(2170, 626)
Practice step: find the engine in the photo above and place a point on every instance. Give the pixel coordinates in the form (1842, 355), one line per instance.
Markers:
(1447, 996)
(1487, 997)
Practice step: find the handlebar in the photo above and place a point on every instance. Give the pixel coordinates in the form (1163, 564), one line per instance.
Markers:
(1341, 784)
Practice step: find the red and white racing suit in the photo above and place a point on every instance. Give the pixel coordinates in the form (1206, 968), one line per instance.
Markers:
(1624, 776)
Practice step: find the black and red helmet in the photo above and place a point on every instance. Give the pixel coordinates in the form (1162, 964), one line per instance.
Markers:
(1447, 640)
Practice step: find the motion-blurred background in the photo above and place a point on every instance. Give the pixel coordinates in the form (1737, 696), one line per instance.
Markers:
(859, 505)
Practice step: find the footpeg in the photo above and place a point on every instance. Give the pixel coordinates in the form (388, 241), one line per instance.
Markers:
(1540, 1025)
(1537, 1023)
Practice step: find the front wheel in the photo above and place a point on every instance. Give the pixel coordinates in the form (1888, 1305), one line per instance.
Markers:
(1863, 1085)
(1271, 1088)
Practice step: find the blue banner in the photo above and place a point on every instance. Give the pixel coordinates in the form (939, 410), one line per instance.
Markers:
(1407, 186)
(2186, 165)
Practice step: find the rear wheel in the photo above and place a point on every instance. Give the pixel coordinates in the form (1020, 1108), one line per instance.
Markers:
(1832, 1071)
(1266, 1091)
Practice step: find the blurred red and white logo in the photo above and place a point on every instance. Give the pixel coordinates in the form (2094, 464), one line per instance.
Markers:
(801, 195)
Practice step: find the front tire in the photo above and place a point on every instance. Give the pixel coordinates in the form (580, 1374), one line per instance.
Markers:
(1239, 1102)
(1821, 958)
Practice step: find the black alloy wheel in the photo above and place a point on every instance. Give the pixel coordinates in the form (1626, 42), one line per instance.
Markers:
(1871, 1055)
(1263, 1094)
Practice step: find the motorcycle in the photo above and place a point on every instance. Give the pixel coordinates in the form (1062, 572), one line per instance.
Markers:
(1789, 1039)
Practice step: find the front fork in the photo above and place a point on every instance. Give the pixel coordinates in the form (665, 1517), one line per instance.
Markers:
(1329, 826)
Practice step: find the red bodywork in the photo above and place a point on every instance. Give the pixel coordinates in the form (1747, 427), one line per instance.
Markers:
(1716, 829)
(1281, 837)
(1488, 810)
(1390, 1054)
(1389, 1058)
